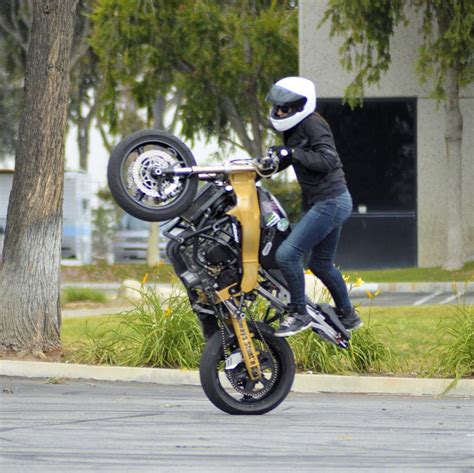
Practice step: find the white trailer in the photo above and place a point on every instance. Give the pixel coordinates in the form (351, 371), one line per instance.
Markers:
(77, 221)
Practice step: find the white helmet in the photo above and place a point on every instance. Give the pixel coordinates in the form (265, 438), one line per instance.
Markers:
(298, 95)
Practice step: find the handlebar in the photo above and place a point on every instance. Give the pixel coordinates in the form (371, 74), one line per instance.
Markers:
(264, 167)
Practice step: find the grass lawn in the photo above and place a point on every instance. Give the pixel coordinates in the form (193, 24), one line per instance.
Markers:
(164, 273)
(410, 332)
(75, 329)
(102, 272)
(413, 274)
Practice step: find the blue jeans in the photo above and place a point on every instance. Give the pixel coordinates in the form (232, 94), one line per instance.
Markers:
(317, 232)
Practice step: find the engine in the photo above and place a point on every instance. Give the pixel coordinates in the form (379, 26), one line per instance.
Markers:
(212, 258)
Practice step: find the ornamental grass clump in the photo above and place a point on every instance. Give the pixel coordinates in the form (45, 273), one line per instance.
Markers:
(454, 350)
(315, 355)
(367, 354)
(158, 332)
(98, 348)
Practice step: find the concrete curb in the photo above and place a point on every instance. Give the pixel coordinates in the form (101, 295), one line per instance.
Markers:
(304, 383)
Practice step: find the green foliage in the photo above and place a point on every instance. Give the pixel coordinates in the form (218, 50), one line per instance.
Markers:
(16, 19)
(410, 333)
(10, 100)
(288, 194)
(160, 333)
(220, 56)
(314, 354)
(82, 294)
(366, 354)
(368, 25)
(448, 34)
(454, 352)
(12, 64)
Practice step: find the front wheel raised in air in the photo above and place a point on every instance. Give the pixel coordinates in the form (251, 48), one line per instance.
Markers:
(135, 179)
(231, 389)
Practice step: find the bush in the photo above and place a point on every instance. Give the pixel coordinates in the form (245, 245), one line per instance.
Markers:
(366, 354)
(158, 333)
(454, 352)
(166, 333)
(314, 354)
(82, 294)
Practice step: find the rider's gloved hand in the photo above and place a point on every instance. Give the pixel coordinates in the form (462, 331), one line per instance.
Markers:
(283, 152)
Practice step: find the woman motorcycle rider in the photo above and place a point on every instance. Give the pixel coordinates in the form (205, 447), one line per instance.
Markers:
(309, 147)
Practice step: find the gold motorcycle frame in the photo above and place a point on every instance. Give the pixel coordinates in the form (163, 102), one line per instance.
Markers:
(247, 211)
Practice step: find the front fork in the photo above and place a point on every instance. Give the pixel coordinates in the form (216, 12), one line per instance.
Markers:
(245, 341)
(247, 211)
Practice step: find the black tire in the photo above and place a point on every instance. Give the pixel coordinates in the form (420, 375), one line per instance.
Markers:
(141, 204)
(212, 361)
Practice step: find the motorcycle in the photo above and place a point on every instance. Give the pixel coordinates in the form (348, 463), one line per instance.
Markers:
(223, 236)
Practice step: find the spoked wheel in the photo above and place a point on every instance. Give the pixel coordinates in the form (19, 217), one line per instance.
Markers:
(134, 175)
(230, 388)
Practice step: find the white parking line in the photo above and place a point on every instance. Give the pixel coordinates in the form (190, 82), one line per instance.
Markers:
(451, 298)
(427, 298)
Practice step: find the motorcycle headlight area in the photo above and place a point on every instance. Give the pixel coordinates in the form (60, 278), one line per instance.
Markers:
(159, 188)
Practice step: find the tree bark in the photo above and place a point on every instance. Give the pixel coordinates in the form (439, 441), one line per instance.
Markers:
(453, 137)
(153, 253)
(30, 273)
(83, 135)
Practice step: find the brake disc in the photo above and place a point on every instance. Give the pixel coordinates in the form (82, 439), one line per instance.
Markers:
(162, 188)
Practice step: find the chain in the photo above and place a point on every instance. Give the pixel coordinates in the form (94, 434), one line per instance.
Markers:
(228, 373)
(270, 352)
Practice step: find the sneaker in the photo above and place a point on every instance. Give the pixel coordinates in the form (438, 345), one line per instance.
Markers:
(350, 319)
(295, 323)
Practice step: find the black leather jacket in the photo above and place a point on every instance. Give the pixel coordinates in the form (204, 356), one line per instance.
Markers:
(315, 160)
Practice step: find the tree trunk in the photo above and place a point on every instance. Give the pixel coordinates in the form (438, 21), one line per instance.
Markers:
(238, 125)
(83, 136)
(153, 249)
(153, 253)
(453, 136)
(30, 274)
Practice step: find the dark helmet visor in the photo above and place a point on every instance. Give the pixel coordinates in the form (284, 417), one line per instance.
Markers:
(281, 96)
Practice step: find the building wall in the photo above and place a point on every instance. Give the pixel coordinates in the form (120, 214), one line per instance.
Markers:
(319, 61)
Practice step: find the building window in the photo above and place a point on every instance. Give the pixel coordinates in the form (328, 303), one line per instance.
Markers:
(377, 145)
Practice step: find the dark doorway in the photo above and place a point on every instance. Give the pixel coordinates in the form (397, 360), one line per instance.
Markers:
(377, 144)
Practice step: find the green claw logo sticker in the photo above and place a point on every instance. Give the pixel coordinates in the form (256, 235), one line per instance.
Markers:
(283, 224)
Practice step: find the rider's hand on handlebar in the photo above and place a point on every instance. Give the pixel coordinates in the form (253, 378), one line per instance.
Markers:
(282, 152)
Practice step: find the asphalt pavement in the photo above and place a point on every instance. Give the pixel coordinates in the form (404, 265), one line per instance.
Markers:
(117, 427)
